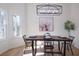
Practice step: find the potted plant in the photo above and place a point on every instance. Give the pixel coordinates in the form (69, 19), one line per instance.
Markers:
(69, 26)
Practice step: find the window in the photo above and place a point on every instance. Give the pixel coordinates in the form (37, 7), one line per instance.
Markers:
(16, 25)
(2, 24)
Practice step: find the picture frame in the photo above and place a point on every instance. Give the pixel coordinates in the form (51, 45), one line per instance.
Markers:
(46, 24)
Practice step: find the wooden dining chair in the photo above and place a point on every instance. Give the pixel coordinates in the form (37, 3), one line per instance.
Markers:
(68, 44)
(27, 43)
(48, 45)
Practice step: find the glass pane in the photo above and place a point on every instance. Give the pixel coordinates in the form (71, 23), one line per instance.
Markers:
(16, 25)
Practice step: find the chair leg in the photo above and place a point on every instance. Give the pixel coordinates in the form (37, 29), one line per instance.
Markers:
(52, 51)
(61, 47)
(67, 47)
(71, 50)
(44, 52)
(24, 49)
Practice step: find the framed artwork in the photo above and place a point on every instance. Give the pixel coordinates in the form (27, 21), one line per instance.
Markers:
(46, 24)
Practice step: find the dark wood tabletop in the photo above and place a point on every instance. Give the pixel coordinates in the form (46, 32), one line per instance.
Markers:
(53, 38)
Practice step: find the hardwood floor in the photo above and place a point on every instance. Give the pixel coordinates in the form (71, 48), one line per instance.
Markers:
(19, 52)
(14, 52)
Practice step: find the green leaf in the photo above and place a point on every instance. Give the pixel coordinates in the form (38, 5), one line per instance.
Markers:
(69, 25)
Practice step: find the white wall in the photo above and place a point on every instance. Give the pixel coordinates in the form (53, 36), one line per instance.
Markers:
(75, 19)
(60, 20)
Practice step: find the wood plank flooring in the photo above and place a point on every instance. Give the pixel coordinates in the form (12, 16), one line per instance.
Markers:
(19, 52)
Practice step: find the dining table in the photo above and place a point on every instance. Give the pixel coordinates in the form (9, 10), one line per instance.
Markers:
(59, 39)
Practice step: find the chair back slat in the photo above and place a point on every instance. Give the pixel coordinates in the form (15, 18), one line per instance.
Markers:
(72, 37)
(24, 38)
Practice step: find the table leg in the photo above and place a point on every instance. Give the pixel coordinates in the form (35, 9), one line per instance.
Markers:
(64, 48)
(33, 48)
(59, 46)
